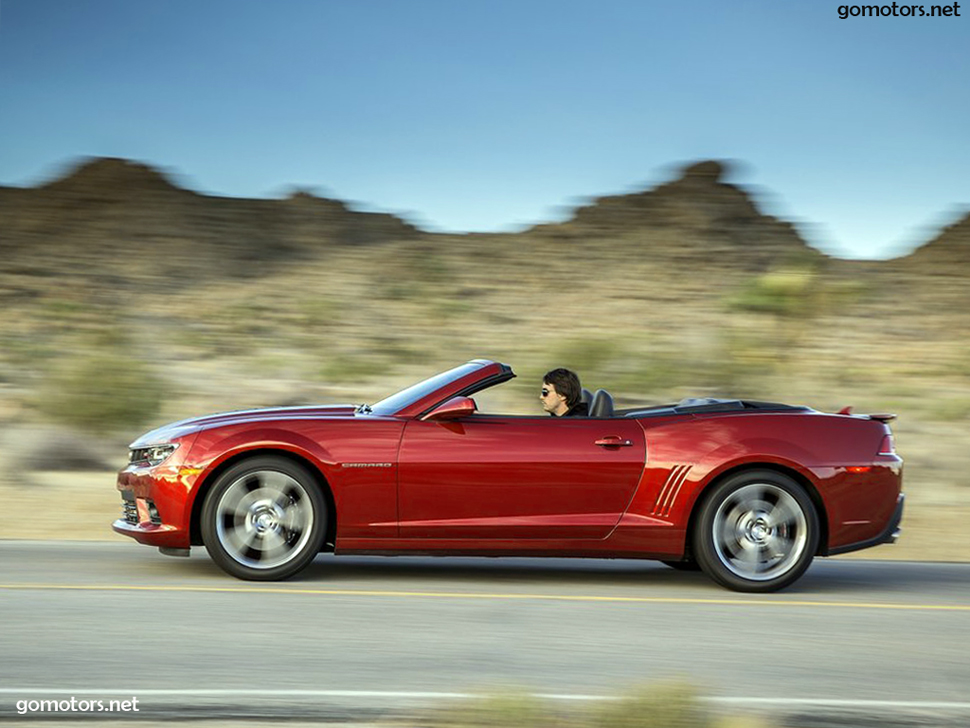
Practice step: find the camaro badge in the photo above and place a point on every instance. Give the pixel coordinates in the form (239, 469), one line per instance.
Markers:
(368, 465)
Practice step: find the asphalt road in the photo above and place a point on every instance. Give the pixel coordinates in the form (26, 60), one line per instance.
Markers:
(359, 636)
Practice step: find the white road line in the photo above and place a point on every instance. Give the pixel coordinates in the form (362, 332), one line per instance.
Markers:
(743, 702)
(836, 703)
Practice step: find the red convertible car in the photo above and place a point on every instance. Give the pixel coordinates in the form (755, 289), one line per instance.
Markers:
(749, 492)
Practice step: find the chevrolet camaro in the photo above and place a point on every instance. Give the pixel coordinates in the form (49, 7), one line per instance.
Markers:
(749, 492)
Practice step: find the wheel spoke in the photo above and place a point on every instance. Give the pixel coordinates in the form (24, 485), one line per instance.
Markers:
(286, 498)
(728, 535)
(250, 483)
(782, 514)
(750, 556)
(292, 526)
(273, 553)
(270, 544)
(760, 532)
(780, 545)
(249, 538)
(264, 519)
(240, 538)
(736, 513)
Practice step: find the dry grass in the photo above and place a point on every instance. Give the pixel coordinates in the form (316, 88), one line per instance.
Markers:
(664, 705)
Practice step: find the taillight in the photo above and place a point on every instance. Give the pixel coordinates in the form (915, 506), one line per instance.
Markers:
(888, 446)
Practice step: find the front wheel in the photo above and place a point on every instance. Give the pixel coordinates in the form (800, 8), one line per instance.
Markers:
(264, 519)
(757, 532)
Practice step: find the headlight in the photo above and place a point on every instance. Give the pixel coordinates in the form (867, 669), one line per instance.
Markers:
(154, 455)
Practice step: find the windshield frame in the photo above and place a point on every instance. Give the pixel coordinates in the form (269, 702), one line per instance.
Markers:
(428, 393)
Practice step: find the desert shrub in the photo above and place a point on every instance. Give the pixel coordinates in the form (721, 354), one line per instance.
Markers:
(788, 293)
(60, 310)
(958, 361)
(346, 368)
(745, 359)
(953, 409)
(317, 313)
(498, 711)
(53, 449)
(102, 389)
(397, 350)
(588, 357)
(23, 353)
(672, 705)
(665, 705)
(662, 374)
(427, 265)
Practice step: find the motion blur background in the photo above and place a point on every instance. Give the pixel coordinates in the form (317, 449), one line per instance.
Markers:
(221, 205)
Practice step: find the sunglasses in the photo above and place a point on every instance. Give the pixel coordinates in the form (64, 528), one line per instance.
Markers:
(545, 392)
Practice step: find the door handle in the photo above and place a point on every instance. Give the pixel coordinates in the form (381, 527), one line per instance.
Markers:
(613, 441)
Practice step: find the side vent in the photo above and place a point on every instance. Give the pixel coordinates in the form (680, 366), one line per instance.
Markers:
(668, 494)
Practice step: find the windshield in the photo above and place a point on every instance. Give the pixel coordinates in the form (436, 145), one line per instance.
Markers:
(412, 394)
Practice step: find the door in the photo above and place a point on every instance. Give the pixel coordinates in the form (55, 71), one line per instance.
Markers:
(498, 477)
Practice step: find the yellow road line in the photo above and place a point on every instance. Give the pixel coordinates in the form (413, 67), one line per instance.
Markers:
(485, 595)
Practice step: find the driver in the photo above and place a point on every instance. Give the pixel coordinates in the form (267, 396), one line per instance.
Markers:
(561, 394)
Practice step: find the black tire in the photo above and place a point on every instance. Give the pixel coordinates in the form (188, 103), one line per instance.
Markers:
(757, 532)
(685, 565)
(264, 519)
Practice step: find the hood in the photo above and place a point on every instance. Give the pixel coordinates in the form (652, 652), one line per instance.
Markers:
(174, 430)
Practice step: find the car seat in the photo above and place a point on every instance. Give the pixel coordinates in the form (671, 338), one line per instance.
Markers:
(601, 404)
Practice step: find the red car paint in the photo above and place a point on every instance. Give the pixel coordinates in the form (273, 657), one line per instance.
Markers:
(495, 484)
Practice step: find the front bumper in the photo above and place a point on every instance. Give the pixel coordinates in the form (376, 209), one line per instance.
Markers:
(151, 534)
(157, 503)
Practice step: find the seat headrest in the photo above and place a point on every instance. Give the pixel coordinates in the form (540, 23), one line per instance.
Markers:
(602, 404)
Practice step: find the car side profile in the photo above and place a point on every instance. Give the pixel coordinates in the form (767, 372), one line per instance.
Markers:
(749, 492)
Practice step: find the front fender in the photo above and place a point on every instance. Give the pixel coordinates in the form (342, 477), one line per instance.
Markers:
(209, 454)
(212, 449)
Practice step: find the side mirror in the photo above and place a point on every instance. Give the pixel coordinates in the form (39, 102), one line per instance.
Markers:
(452, 409)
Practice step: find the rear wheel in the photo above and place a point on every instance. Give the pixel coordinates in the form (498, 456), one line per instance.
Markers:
(757, 532)
(264, 519)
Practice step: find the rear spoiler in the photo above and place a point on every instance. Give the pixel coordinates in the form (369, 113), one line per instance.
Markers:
(880, 417)
(883, 417)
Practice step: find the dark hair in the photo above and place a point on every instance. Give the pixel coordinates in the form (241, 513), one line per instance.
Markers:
(566, 384)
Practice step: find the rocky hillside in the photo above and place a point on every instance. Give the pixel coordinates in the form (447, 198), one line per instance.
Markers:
(129, 300)
(946, 254)
(127, 221)
(697, 216)
(123, 221)
(112, 215)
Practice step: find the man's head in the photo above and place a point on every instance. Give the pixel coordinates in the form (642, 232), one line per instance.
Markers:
(561, 391)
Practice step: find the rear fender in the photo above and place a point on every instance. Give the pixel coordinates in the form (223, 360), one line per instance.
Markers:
(803, 476)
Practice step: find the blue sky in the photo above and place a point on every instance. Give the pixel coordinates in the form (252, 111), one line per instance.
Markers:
(492, 115)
